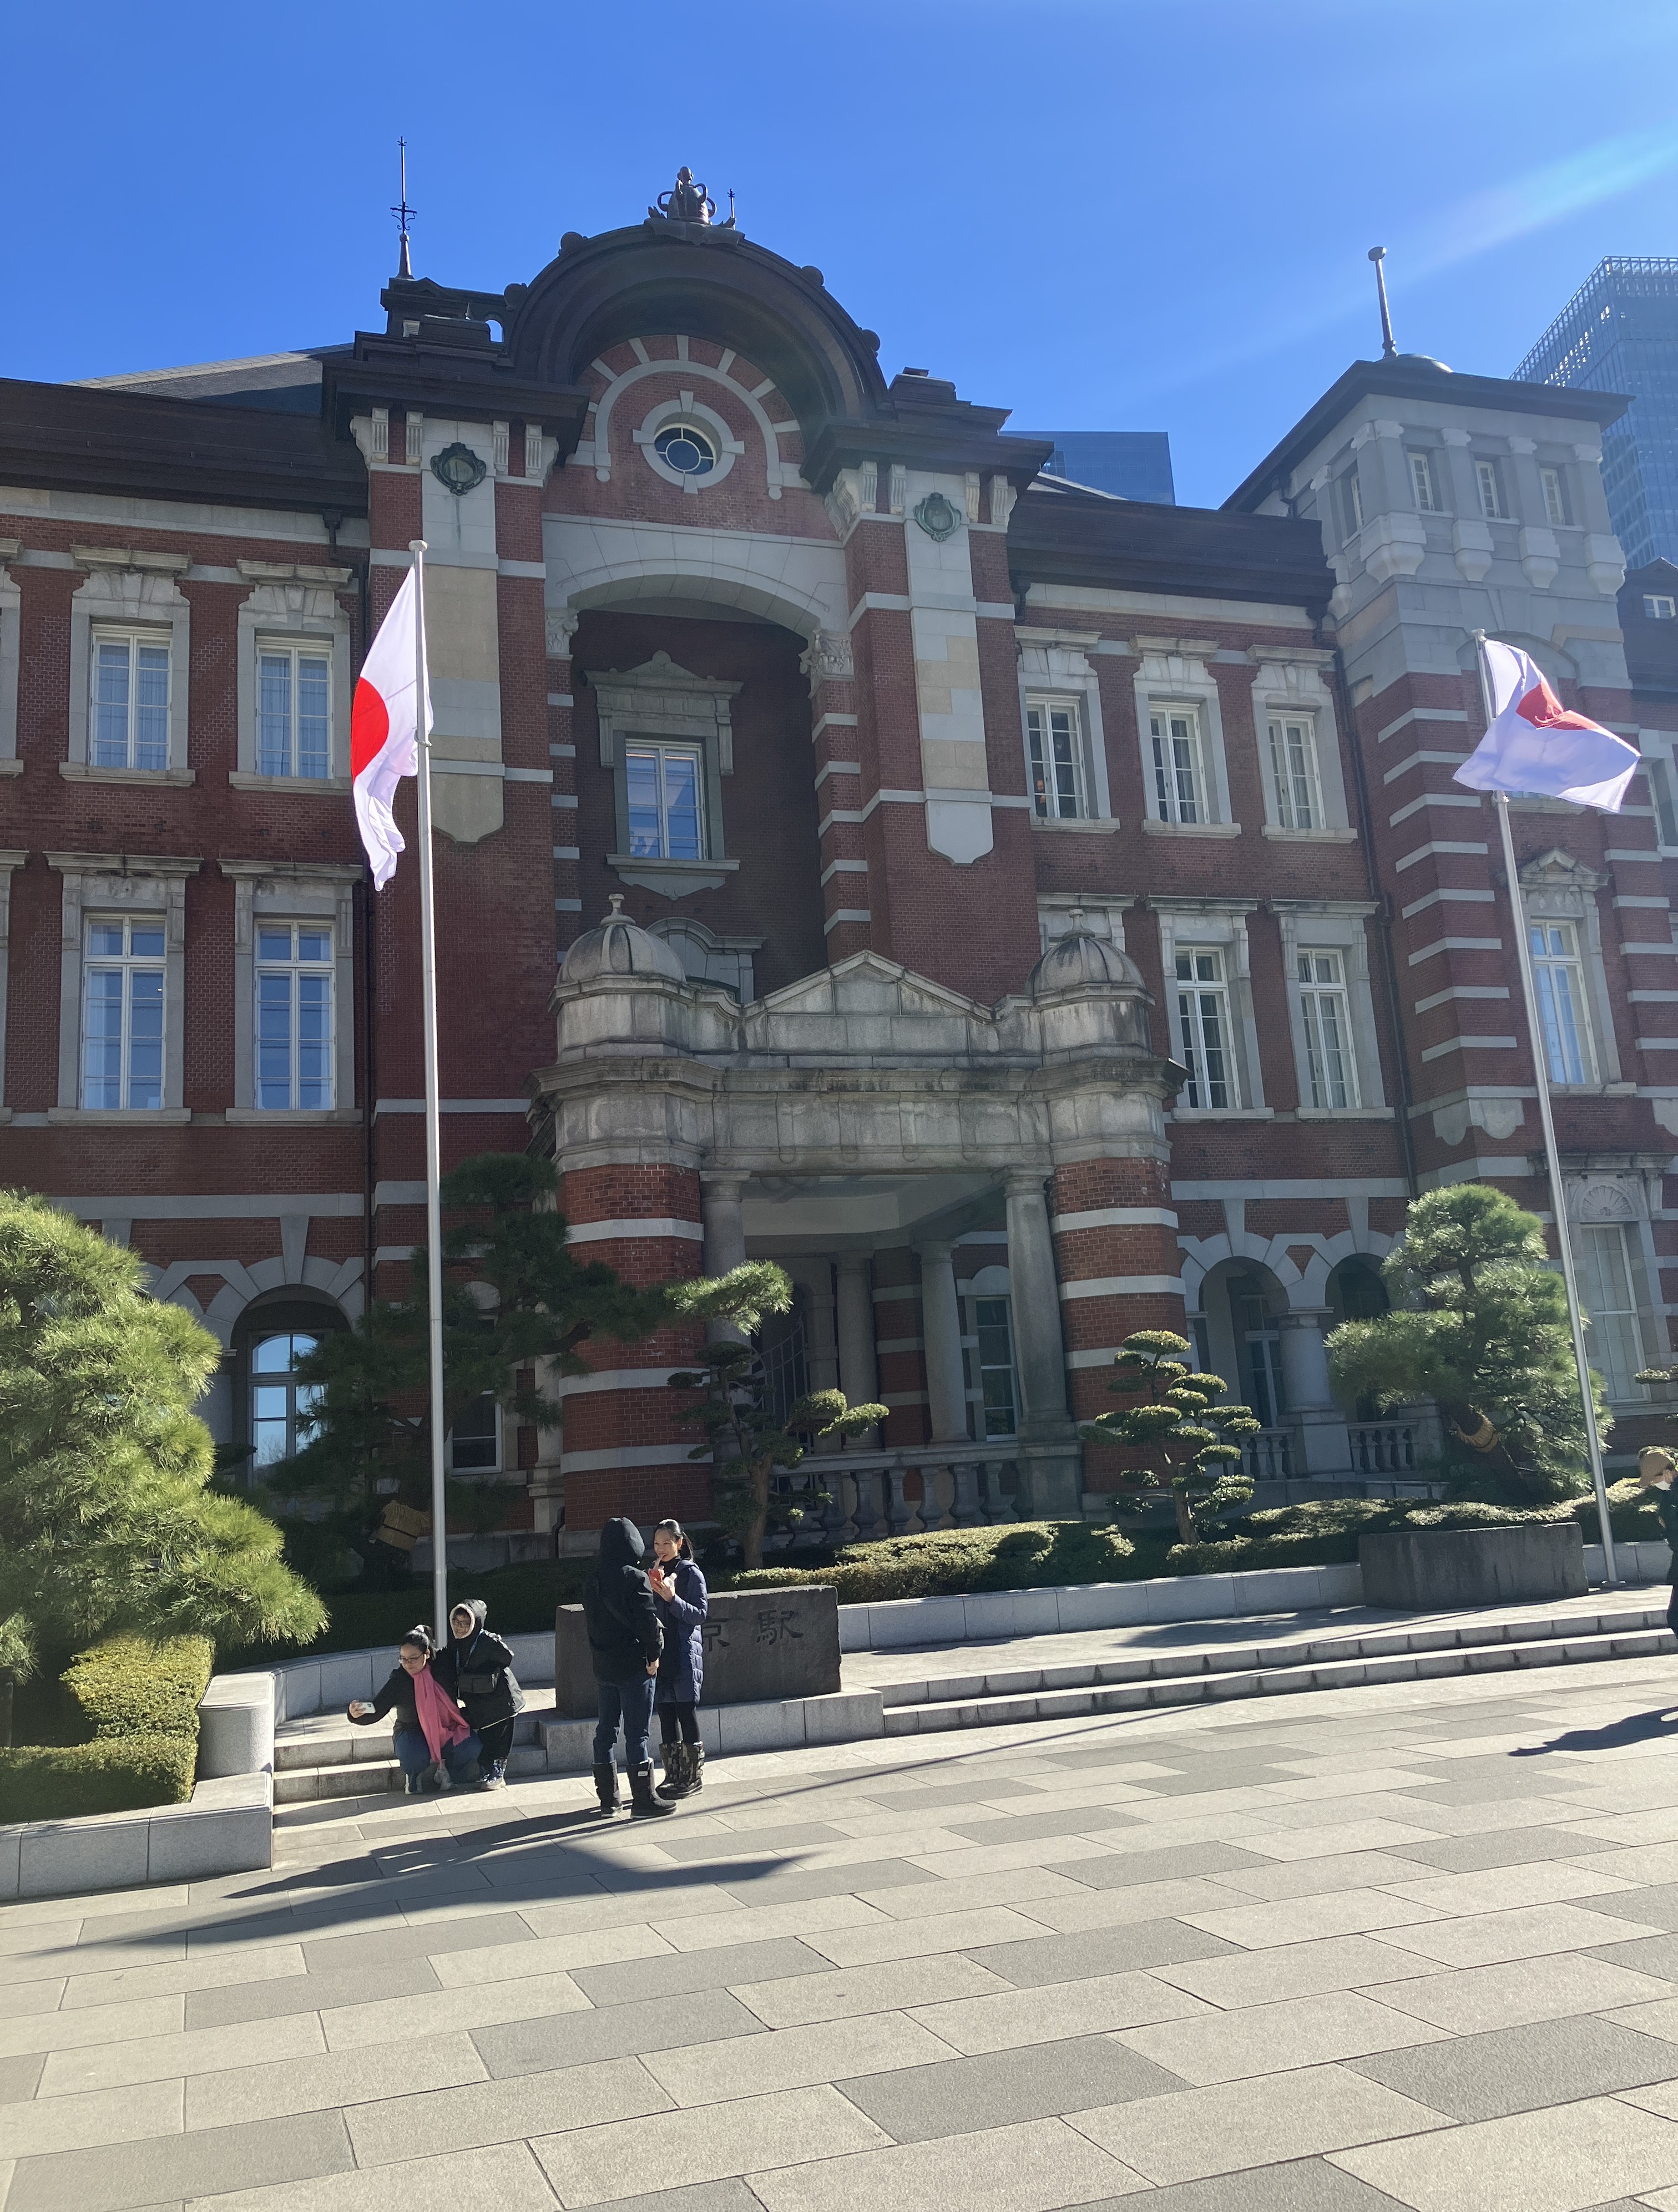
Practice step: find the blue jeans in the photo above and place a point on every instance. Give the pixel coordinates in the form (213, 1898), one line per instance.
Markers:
(413, 1752)
(631, 1703)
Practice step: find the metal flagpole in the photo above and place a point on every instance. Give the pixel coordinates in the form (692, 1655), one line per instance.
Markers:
(1541, 1066)
(433, 1205)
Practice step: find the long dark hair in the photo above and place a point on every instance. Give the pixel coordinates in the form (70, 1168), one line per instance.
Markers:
(673, 1528)
(419, 1637)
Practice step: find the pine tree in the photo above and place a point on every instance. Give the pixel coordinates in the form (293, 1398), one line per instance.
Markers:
(107, 1520)
(370, 1403)
(745, 1438)
(1480, 1323)
(1191, 1444)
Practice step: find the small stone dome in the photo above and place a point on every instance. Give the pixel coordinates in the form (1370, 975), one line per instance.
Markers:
(618, 946)
(1427, 360)
(1078, 958)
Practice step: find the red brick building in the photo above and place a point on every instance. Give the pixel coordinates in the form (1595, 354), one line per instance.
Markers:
(1028, 915)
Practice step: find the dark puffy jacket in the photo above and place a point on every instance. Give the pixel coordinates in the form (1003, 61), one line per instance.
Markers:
(682, 1669)
(396, 1697)
(1666, 1505)
(625, 1638)
(477, 1670)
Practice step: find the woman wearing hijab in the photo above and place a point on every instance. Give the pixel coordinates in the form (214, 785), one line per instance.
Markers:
(476, 1667)
(431, 1734)
(679, 1588)
(624, 1644)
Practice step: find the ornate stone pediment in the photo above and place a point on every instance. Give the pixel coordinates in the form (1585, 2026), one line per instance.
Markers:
(663, 699)
(1557, 885)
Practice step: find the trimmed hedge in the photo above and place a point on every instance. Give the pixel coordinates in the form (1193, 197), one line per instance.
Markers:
(141, 1700)
(1021, 1555)
(64, 1781)
(1326, 1535)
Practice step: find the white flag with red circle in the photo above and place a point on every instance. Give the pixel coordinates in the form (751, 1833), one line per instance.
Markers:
(1535, 745)
(385, 730)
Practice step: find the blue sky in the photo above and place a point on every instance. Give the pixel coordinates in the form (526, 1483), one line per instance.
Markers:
(1106, 214)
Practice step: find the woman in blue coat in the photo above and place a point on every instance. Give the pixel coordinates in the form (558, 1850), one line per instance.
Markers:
(679, 1588)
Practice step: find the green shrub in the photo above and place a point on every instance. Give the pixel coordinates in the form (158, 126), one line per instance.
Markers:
(61, 1782)
(128, 1687)
(1325, 1533)
(1020, 1555)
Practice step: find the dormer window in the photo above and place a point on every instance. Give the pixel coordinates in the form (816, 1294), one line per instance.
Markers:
(1421, 484)
(1491, 491)
(1658, 606)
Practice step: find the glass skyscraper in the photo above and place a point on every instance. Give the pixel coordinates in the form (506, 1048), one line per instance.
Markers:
(1619, 333)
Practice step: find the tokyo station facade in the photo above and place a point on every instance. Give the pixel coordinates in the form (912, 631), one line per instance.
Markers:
(1026, 914)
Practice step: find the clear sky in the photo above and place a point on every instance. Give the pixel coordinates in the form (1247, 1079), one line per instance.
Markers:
(1104, 214)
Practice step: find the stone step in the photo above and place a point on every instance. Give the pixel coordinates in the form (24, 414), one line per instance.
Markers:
(306, 1747)
(999, 1709)
(368, 1778)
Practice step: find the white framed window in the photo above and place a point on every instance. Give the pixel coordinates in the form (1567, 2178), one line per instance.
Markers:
(1180, 792)
(1421, 482)
(1659, 606)
(296, 1048)
(474, 1441)
(1351, 493)
(1055, 748)
(122, 1015)
(1606, 1291)
(1490, 487)
(1559, 974)
(1331, 1068)
(667, 801)
(995, 1379)
(1555, 498)
(1658, 770)
(295, 708)
(1204, 1033)
(282, 1407)
(1293, 776)
(129, 712)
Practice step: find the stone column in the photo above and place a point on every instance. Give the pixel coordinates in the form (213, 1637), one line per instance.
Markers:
(940, 1326)
(1317, 1423)
(1051, 1471)
(858, 1368)
(724, 1235)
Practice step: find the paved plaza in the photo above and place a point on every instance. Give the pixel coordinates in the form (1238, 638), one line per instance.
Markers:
(1414, 1945)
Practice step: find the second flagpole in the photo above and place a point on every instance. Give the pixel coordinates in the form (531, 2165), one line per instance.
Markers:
(433, 1204)
(1547, 1123)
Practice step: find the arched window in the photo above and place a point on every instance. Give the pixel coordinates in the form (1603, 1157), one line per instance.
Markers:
(273, 1335)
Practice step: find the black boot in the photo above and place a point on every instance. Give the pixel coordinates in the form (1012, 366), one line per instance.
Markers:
(677, 1771)
(696, 1767)
(605, 1785)
(641, 1799)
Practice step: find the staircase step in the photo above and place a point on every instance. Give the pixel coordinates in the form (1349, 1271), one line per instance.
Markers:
(368, 1778)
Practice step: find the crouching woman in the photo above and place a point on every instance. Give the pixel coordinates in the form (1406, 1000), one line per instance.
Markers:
(430, 1733)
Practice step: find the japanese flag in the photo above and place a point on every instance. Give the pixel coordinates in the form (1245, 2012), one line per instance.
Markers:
(1534, 744)
(384, 729)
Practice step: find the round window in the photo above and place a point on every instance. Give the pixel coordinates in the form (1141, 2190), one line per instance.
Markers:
(686, 449)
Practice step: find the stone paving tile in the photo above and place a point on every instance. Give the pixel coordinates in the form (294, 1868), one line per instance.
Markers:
(158, 2057)
(742, 1843)
(410, 2068)
(262, 2153)
(1518, 2069)
(1501, 1848)
(728, 2196)
(1099, 1950)
(311, 1992)
(1119, 1908)
(216, 1971)
(538, 1996)
(1275, 1880)
(685, 1971)
(18, 2080)
(1336, 1839)
(1195, 2133)
(1290, 1970)
(1483, 1939)
(624, 2031)
(1558, 2160)
(506, 2176)
(1036, 1827)
(995, 1926)
(1038, 2081)
(1033, 2167)
(1119, 1870)
(138, 2017)
(82, 2123)
(588, 2166)
(974, 2025)
(393, 2128)
(851, 1991)
(1643, 1953)
(785, 1886)
(1310, 2185)
(1549, 1987)
(794, 2058)
(1231, 2046)
(1301, 1919)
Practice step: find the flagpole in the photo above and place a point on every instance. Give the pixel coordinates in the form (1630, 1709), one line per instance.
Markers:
(1541, 1067)
(433, 1204)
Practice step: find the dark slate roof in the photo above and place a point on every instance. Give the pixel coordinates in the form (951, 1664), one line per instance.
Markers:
(1652, 646)
(1065, 533)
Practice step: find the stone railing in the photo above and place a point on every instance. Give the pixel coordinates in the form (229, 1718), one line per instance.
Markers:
(870, 1495)
(1268, 1456)
(1382, 1447)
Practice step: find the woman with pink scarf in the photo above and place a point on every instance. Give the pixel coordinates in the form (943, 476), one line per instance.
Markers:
(431, 1734)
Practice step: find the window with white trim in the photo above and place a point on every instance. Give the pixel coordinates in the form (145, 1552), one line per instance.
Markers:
(1658, 770)
(282, 1408)
(1558, 976)
(1054, 748)
(474, 1441)
(1293, 777)
(1331, 1068)
(1606, 1291)
(992, 1367)
(1555, 498)
(294, 708)
(1351, 496)
(1181, 793)
(294, 1041)
(667, 800)
(1490, 487)
(129, 708)
(122, 1016)
(1204, 1033)
(1421, 482)
(1658, 606)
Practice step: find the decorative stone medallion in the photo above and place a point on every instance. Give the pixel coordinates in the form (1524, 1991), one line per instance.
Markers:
(458, 469)
(938, 517)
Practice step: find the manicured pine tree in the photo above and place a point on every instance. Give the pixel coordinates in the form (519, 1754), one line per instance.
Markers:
(1189, 1442)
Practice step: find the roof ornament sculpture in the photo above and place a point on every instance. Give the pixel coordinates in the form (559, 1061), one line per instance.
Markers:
(687, 201)
(404, 213)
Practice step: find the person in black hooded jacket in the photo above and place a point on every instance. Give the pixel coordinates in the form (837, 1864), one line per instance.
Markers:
(476, 1666)
(625, 1642)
